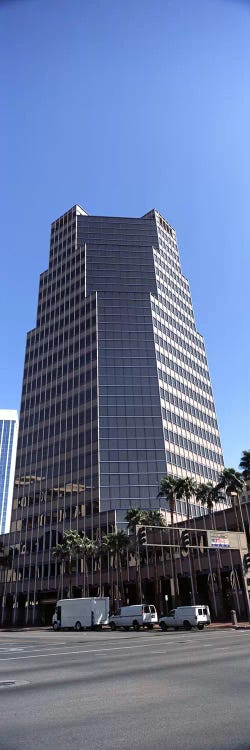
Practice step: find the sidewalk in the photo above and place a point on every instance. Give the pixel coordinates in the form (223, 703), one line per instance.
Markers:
(213, 626)
(228, 626)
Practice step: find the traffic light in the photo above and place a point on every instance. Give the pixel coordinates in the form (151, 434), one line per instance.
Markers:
(185, 540)
(247, 561)
(142, 535)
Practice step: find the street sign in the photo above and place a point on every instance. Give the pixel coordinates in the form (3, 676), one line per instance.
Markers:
(219, 541)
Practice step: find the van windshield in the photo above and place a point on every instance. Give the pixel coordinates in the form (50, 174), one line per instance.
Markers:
(152, 609)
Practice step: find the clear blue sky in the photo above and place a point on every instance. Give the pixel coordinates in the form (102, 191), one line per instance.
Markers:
(123, 106)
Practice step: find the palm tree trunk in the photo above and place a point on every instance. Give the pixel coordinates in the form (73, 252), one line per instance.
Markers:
(192, 567)
(70, 577)
(238, 515)
(173, 563)
(111, 568)
(218, 557)
(121, 577)
(138, 572)
(86, 576)
(60, 582)
(157, 593)
(234, 506)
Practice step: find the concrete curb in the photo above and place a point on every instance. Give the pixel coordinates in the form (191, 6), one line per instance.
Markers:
(48, 628)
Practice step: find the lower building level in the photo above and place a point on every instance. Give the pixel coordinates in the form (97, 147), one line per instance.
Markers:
(158, 573)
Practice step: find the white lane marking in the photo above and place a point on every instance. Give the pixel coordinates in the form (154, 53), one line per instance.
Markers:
(80, 651)
(28, 650)
(170, 639)
(97, 651)
(11, 648)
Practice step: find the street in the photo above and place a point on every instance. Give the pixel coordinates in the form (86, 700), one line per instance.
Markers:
(146, 690)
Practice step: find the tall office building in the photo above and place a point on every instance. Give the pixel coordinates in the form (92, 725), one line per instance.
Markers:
(8, 446)
(116, 388)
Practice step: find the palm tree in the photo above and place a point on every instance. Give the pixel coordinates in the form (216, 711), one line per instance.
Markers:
(65, 551)
(168, 490)
(136, 517)
(245, 465)
(207, 495)
(155, 518)
(232, 483)
(187, 488)
(116, 543)
(87, 550)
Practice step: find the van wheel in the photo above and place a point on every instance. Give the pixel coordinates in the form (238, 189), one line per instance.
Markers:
(187, 625)
(113, 626)
(200, 625)
(55, 626)
(136, 625)
(78, 626)
(163, 626)
(149, 627)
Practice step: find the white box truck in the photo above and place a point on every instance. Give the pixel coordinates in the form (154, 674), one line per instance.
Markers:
(81, 613)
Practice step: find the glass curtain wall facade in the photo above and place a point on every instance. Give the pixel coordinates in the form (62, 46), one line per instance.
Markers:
(191, 434)
(116, 389)
(8, 446)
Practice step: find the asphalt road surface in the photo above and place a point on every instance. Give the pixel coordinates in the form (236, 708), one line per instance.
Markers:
(111, 691)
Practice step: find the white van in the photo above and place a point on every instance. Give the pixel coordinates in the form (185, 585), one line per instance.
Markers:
(134, 616)
(187, 618)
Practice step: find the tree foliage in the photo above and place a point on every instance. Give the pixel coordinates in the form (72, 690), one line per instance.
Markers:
(245, 464)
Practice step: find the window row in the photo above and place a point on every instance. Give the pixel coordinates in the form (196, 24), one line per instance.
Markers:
(66, 467)
(80, 379)
(167, 344)
(170, 320)
(169, 252)
(167, 276)
(45, 363)
(58, 244)
(190, 445)
(187, 375)
(183, 358)
(56, 310)
(192, 427)
(192, 466)
(60, 424)
(189, 392)
(72, 402)
(192, 410)
(57, 494)
(66, 444)
(187, 320)
(53, 274)
(175, 293)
